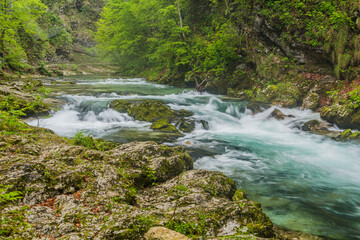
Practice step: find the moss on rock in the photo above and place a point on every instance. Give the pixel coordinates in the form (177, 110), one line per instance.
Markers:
(164, 125)
(120, 105)
(151, 110)
(342, 116)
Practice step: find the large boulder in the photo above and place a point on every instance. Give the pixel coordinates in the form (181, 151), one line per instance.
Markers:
(148, 110)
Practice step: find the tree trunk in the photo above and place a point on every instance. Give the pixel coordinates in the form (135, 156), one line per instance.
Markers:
(180, 17)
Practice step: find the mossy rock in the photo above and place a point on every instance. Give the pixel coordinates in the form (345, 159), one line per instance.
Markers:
(342, 116)
(186, 125)
(164, 125)
(349, 135)
(314, 125)
(148, 110)
(151, 110)
(121, 105)
(277, 114)
(184, 113)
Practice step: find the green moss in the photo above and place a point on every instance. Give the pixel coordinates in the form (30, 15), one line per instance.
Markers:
(120, 105)
(239, 195)
(151, 110)
(345, 61)
(164, 125)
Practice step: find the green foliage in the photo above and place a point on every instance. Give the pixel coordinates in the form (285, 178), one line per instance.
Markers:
(89, 142)
(10, 111)
(18, 28)
(186, 228)
(141, 33)
(6, 196)
(13, 222)
(354, 98)
(138, 35)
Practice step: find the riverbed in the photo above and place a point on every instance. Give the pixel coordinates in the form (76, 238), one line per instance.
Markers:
(305, 182)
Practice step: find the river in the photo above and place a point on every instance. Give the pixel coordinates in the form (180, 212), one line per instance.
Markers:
(305, 182)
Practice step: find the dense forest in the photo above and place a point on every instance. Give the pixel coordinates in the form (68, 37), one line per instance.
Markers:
(34, 34)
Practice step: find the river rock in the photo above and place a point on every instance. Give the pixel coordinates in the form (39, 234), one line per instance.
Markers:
(277, 114)
(161, 233)
(257, 107)
(314, 125)
(348, 134)
(188, 125)
(148, 110)
(164, 125)
(151, 110)
(121, 105)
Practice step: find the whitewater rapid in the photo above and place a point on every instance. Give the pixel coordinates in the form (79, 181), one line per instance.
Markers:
(304, 181)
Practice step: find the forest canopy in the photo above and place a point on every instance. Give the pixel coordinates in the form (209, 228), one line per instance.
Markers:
(19, 31)
(160, 36)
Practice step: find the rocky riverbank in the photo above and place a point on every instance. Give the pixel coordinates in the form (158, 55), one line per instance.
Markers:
(51, 188)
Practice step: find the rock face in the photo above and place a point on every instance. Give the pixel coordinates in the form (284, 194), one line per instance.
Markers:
(71, 192)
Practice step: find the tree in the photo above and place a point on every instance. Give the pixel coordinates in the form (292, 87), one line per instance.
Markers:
(137, 34)
(18, 18)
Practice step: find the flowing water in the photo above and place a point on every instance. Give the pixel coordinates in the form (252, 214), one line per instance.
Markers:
(304, 181)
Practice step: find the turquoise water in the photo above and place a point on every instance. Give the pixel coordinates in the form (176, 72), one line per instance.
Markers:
(304, 182)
